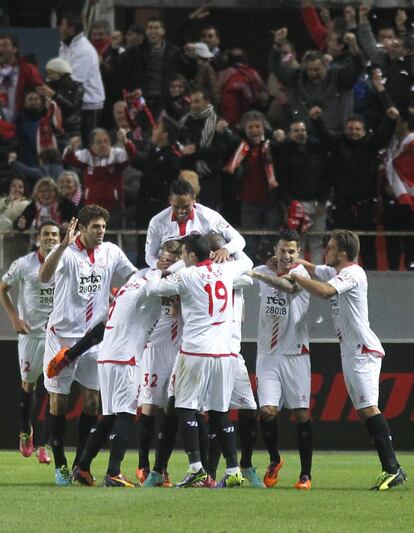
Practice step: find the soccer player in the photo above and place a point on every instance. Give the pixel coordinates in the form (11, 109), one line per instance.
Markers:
(131, 317)
(185, 216)
(345, 284)
(242, 397)
(204, 373)
(35, 301)
(82, 266)
(157, 363)
(283, 369)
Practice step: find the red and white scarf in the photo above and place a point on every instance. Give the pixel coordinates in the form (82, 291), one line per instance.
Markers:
(242, 151)
(50, 124)
(399, 167)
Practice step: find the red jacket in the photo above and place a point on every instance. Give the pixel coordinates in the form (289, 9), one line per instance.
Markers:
(28, 76)
(103, 178)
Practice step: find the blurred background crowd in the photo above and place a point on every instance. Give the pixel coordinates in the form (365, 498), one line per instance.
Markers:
(312, 138)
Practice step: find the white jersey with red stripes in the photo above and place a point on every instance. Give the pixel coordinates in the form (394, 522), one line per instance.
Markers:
(206, 304)
(282, 326)
(165, 226)
(35, 299)
(169, 329)
(132, 318)
(350, 308)
(82, 283)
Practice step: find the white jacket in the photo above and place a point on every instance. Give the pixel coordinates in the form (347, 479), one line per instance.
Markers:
(83, 58)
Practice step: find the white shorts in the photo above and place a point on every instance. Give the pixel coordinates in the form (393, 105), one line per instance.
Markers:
(157, 366)
(83, 369)
(242, 396)
(31, 351)
(361, 375)
(119, 388)
(204, 383)
(171, 382)
(284, 380)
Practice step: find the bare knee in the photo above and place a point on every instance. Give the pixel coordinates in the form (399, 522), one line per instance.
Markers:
(301, 415)
(58, 404)
(368, 412)
(267, 412)
(90, 402)
(148, 409)
(28, 387)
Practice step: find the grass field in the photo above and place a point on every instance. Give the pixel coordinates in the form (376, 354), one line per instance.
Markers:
(338, 502)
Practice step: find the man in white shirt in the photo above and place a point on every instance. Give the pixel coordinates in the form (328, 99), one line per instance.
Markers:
(34, 304)
(84, 61)
(184, 217)
(361, 350)
(82, 266)
(204, 375)
(132, 316)
(283, 369)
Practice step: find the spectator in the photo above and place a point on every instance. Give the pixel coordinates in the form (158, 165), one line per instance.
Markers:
(205, 78)
(37, 126)
(102, 168)
(197, 130)
(69, 187)
(50, 164)
(303, 173)
(83, 59)
(211, 36)
(354, 172)
(177, 101)
(46, 205)
(317, 85)
(128, 73)
(13, 205)
(67, 93)
(398, 194)
(16, 76)
(160, 166)
(241, 88)
(252, 166)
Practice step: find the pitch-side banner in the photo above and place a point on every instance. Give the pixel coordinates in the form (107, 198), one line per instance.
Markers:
(336, 424)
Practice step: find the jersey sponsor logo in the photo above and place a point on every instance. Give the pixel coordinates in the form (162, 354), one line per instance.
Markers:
(90, 284)
(46, 295)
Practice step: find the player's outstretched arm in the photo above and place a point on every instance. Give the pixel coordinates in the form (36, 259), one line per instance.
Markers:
(49, 266)
(310, 267)
(279, 283)
(19, 325)
(317, 288)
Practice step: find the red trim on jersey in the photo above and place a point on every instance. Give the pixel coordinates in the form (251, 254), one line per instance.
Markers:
(109, 327)
(216, 355)
(89, 251)
(182, 224)
(131, 362)
(218, 323)
(206, 262)
(365, 349)
(304, 349)
(40, 257)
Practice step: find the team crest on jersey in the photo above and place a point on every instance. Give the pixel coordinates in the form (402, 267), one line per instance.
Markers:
(101, 261)
(81, 263)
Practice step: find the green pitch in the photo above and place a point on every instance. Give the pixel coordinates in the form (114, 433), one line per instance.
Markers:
(338, 502)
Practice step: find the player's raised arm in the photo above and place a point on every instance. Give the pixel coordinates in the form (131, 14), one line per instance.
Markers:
(235, 241)
(49, 266)
(152, 245)
(278, 282)
(321, 289)
(164, 287)
(310, 267)
(18, 324)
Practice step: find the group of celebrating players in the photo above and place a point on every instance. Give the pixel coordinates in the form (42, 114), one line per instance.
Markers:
(170, 344)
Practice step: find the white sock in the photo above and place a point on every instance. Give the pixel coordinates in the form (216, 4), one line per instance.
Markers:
(195, 467)
(234, 470)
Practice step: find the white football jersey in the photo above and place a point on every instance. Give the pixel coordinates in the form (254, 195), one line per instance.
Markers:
(82, 284)
(169, 329)
(165, 226)
(350, 308)
(282, 327)
(206, 304)
(35, 299)
(131, 319)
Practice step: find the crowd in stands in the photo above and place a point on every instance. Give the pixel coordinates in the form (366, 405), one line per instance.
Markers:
(325, 141)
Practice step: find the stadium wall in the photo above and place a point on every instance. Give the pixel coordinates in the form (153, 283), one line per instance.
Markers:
(335, 422)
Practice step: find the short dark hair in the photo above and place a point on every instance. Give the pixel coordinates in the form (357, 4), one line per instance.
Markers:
(289, 235)
(90, 212)
(73, 21)
(237, 56)
(198, 244)
(313, 55)
(210, 27)
(137, 28)
(50, 155)
(346, 241)
(356, 118)
(47, 223)
(170, 128)
(204, 92)
(181, 187)
(11, 37)
(216, 240)
(157, 19)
